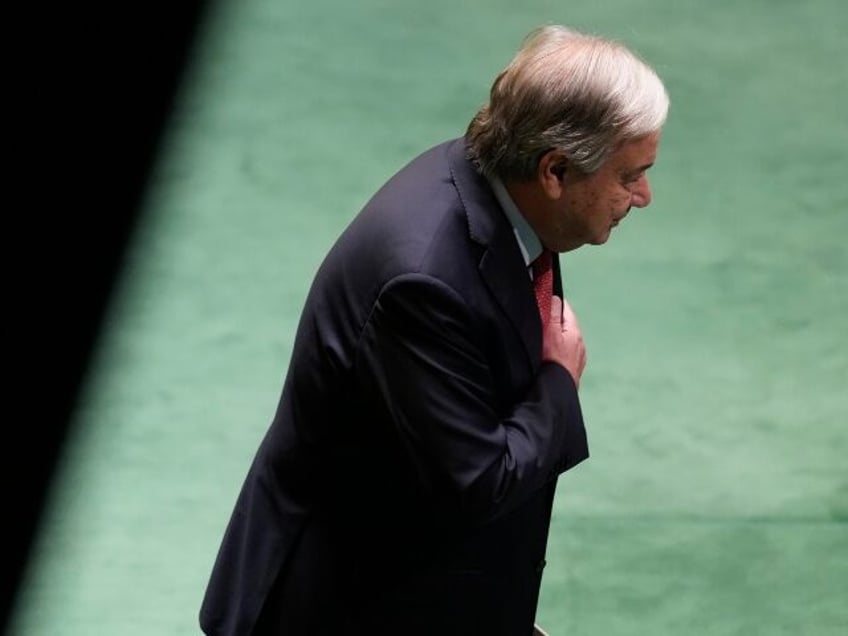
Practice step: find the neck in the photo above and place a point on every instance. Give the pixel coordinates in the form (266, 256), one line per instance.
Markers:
(530, 203)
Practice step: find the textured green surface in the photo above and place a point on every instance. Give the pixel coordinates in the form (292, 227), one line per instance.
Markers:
(716, 498)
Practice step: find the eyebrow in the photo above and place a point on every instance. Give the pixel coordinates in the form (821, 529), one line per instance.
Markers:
(635, 171)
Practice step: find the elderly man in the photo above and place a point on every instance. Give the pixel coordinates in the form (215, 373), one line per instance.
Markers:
(405, 484)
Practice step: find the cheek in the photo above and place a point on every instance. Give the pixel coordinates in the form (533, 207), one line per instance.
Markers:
(601, 203)
(593, 201)
(618, 201)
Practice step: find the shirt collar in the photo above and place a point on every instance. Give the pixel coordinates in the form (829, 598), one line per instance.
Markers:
(528, 242)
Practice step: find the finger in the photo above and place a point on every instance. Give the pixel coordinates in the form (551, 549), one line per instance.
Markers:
(556, 310)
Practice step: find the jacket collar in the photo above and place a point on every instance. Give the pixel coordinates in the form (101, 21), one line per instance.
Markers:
(501, 266)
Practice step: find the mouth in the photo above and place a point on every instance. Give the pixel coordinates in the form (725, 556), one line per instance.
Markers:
(617, 219)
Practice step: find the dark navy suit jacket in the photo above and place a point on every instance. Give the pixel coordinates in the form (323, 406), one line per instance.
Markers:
(406, 482)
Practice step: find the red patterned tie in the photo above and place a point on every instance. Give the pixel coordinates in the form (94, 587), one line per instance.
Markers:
(543, 284)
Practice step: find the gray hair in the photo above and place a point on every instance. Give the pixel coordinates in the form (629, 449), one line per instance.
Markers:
(577, 93)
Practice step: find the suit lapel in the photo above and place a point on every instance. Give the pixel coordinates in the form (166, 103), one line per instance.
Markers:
(502, 265)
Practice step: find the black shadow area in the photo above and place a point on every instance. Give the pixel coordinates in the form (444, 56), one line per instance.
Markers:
(94, 92)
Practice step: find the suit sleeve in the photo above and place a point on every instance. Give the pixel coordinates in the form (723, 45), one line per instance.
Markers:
(425, 362)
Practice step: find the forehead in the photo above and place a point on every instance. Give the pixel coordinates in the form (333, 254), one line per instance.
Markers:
(636, 154)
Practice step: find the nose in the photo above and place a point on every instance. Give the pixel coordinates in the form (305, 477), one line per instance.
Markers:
(642, 193)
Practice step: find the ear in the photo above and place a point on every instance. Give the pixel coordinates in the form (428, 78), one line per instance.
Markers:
(551, 172)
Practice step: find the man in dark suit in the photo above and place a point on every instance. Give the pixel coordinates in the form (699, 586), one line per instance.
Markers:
(405, 484)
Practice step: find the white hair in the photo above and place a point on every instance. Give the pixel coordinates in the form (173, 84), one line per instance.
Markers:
(583, 95)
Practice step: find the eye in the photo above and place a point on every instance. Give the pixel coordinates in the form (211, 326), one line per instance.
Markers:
(631, 180)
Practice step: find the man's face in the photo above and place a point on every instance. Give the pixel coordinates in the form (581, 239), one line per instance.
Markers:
(590, 206)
